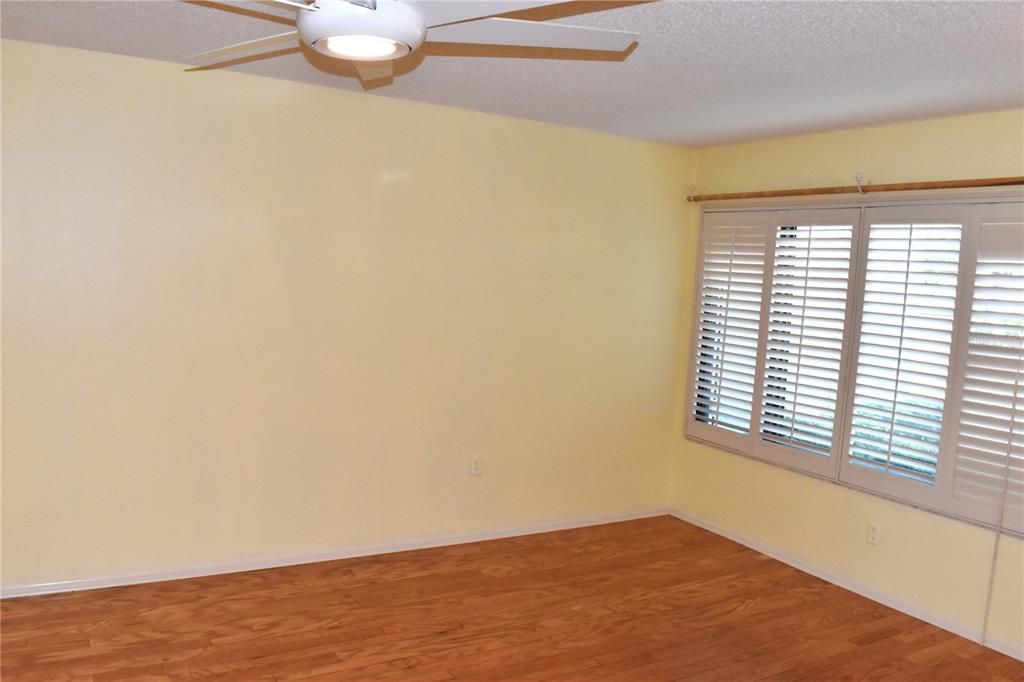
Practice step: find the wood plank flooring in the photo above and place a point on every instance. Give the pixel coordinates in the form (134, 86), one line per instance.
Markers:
(654, 599)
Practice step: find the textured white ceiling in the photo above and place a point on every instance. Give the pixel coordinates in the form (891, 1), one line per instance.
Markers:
(703, 72)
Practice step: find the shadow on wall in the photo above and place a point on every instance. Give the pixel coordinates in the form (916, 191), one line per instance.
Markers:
(345, 69)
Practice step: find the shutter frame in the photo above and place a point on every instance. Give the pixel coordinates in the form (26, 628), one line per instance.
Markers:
(781, 453)
(752, 444)
(757, 222)
(988, 511)
(916, 492)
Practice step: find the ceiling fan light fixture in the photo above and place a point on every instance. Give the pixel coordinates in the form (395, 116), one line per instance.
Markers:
(362, 47)
(343, 30)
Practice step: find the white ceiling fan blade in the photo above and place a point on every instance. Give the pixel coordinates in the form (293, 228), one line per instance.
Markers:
(288, 36)
(532, 34)
(438, 12)
(372, 71)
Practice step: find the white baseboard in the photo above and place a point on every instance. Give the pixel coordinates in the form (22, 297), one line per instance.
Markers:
(257, 563)
(1009, 648)
(1014, 650)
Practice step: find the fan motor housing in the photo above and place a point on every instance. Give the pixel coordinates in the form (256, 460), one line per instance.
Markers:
(392, 19)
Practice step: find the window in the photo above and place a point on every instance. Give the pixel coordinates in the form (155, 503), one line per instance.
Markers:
(904, 345)
(806, 318)
(986, 481)
(770, 330)
(730, 313)
(882, 347)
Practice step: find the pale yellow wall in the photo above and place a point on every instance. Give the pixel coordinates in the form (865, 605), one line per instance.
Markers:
(977, 146)
(937, 566)
(245, 317)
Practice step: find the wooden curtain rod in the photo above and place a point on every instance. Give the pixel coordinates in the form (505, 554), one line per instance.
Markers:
(853, 189)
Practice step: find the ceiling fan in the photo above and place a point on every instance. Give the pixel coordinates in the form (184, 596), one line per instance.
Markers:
(373, 33)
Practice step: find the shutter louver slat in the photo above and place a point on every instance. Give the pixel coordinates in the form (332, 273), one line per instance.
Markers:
(990, 439)
(729, 325)
(806, 321)
(905, 341)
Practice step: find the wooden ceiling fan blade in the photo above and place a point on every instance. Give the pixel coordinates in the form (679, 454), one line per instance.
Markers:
(294, 4)
(372, 71)
(439, 12)
(519, 33)
(287, 36)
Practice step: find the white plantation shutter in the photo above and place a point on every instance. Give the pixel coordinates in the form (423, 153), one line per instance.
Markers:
(728, 322)
(806, 324)
(906, 335)
(989, 445)
(769, 333)
(881, 346)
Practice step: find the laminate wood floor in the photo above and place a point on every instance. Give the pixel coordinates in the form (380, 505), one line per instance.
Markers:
(654, 599)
